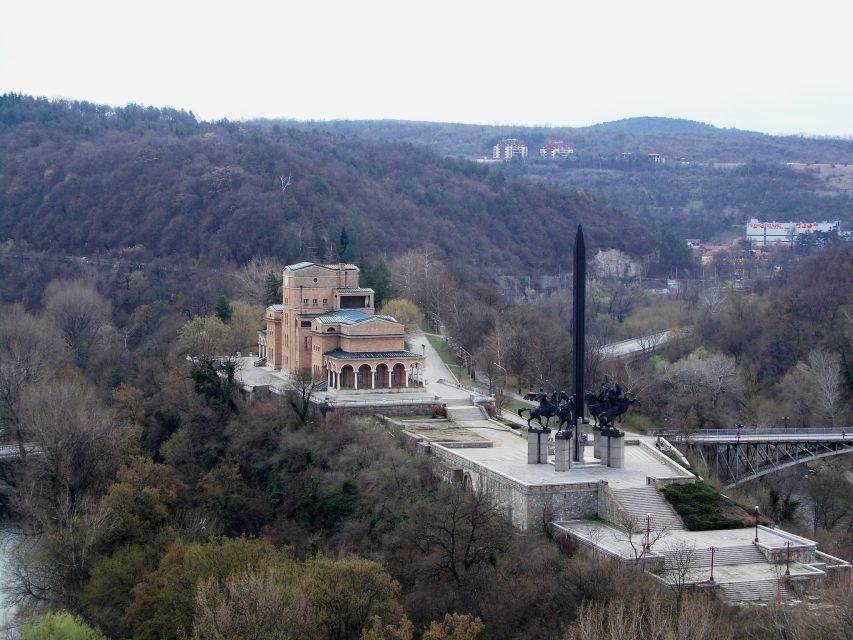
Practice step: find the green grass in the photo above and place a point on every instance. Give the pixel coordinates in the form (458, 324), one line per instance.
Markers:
(513, 405)
(701, 507)
(448, 358)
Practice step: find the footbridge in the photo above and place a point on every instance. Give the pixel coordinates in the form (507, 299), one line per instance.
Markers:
(740, 455)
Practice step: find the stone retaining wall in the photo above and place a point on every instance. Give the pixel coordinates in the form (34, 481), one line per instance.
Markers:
(526, 507)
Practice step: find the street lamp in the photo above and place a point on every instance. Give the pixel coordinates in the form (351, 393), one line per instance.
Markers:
(757, 513)
(788, 560)
(648, 530)
(713, 550)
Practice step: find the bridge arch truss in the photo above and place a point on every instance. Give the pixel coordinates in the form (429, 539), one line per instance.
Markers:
(739, 458)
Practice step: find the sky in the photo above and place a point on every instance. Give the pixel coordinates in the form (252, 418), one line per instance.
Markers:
(776, 67)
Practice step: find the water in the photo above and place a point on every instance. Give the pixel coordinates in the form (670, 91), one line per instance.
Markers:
(7, 610)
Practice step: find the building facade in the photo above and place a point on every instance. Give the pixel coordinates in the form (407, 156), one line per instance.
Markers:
(509, 148)
(556, 149)
(764, 234)
(326, 327)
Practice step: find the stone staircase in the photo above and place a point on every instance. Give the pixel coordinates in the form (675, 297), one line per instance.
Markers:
(465, 413)
(640, 501)
(752, 590)
(744, 554)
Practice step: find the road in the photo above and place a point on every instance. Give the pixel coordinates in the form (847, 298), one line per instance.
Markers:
(638, 345)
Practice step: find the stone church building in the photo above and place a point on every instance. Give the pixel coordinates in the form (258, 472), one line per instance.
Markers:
(326, 326)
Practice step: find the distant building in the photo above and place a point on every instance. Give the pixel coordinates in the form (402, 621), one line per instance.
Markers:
(326, 326)
(509, 148)
(656, 158)
(627, 156)
(556, 149)
(762, 234)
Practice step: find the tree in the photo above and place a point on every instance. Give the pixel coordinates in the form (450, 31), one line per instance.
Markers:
(343, 244)
(379, 631)
(462, 532)
(260, 281)
(81, 315)
(28, 348)
(455, 626)
(223, 309)
(204, 338)
(680, 565)
(60, 625)
(165, 601)
(245, 321)
(269, 603)
(142, 499)
(272, 289)
(404, 311)
(302, 389)
(821, 376)
(378, 278)
(641, 535)
(344, 595)
(59, 489)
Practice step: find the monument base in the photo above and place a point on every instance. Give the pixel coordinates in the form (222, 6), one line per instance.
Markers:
(537, 445)
(563, 451)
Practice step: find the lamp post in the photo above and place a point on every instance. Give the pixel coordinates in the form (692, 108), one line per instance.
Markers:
(648, 544)
(788, 560)
(502, 369)
(713, 550)
(468, 360)
(757, 513)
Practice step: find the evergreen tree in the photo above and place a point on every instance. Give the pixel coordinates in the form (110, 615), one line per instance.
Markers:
(223, 309)
(378, 278)
(272, 289)
(343, 244)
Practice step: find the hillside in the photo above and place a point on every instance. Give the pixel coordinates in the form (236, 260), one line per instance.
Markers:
(79, 178)
(714, 179)
(675, 138)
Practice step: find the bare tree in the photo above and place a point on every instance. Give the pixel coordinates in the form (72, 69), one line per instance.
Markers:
(81, 315)
(463, 531)
(58, 490)
(254, 278)
(821, 374)
(680, 565)
(28, 347)
(267, 604)
(302, 389)
(641, 534)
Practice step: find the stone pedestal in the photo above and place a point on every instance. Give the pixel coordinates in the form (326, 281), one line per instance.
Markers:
(563, 451)
(615, 451)
(597, 440)
(537, 445)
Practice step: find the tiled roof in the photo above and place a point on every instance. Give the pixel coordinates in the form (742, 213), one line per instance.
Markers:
(276, 307)
(350, 317)
(339, 354)
(334, 267)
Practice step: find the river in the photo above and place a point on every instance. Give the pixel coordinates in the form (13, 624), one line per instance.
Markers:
(7, 537)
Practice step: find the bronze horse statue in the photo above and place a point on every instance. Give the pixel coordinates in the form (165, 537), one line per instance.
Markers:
(548, 407)
(609, 404)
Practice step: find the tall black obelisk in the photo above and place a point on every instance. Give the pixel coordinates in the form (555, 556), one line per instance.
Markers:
(579, 335)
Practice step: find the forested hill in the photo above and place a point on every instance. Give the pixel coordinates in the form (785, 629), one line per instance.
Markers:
(80, 178)
(675, 138)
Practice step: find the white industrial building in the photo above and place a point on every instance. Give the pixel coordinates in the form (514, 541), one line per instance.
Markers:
(763, 234)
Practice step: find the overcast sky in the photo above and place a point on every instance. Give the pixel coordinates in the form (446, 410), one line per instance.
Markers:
(747, 64)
